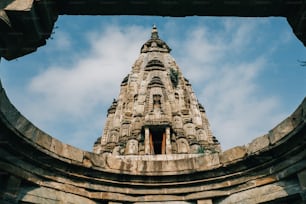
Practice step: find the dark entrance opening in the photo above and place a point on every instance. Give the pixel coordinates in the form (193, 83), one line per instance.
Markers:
(157, 140)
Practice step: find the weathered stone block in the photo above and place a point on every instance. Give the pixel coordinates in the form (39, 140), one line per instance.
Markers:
(207, 161)
(72, 153)
(51, 196)
(22, 124)
(43, 140)
(95, 159)
(233, 154)
(113, 162)
(262, 194)
(205, 201)
(31, 131)
(280, 131)
(25, 127)
(10, 112)
(298, 115)
(56, 146)
(258, 144)
(302, 179)
(20, 5)
(65, 150)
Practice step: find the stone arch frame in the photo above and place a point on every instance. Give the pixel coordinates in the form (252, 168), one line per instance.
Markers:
(41, 16)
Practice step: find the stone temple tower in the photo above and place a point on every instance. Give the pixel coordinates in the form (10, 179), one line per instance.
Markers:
(156, 111)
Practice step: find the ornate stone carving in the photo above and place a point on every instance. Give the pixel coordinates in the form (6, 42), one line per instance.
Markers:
(182, 146)
(131, 147)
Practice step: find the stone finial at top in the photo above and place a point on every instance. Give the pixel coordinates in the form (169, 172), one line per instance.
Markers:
(155, 44)
(154, 34)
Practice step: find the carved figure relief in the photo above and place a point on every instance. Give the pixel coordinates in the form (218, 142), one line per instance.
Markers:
(177, 122)
(116, 151)
(182, 146)
(189, 130)
(131, 147)
(113, 136)
(125, 130)
(202, 135)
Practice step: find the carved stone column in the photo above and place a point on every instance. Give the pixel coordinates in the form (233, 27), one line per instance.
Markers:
(147, 141)
(168, 141)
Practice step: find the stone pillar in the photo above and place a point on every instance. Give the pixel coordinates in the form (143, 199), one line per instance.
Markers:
(168, 141)
(147, 141)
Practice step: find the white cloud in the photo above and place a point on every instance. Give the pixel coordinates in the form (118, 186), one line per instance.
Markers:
(61, 40)
(226, 81)
(69, 100)
(93, 78)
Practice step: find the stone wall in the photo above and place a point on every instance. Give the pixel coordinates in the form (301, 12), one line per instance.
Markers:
(37, 168)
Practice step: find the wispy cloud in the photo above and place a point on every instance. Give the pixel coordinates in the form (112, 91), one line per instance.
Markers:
(93, 78)
(80, 92)
(227, 80)
(62, 41)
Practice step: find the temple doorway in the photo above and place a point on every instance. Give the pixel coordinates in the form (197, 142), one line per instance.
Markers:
(157, 141)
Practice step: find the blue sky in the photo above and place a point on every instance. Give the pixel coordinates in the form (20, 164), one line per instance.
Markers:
(245, 71)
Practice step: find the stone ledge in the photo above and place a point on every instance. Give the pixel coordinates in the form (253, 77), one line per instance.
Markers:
(233, 154)
(162, 164)
(281, 130)
(161, 157)
(93, 159)
(258, 144)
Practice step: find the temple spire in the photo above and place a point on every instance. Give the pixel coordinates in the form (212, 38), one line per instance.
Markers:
(156, 111)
